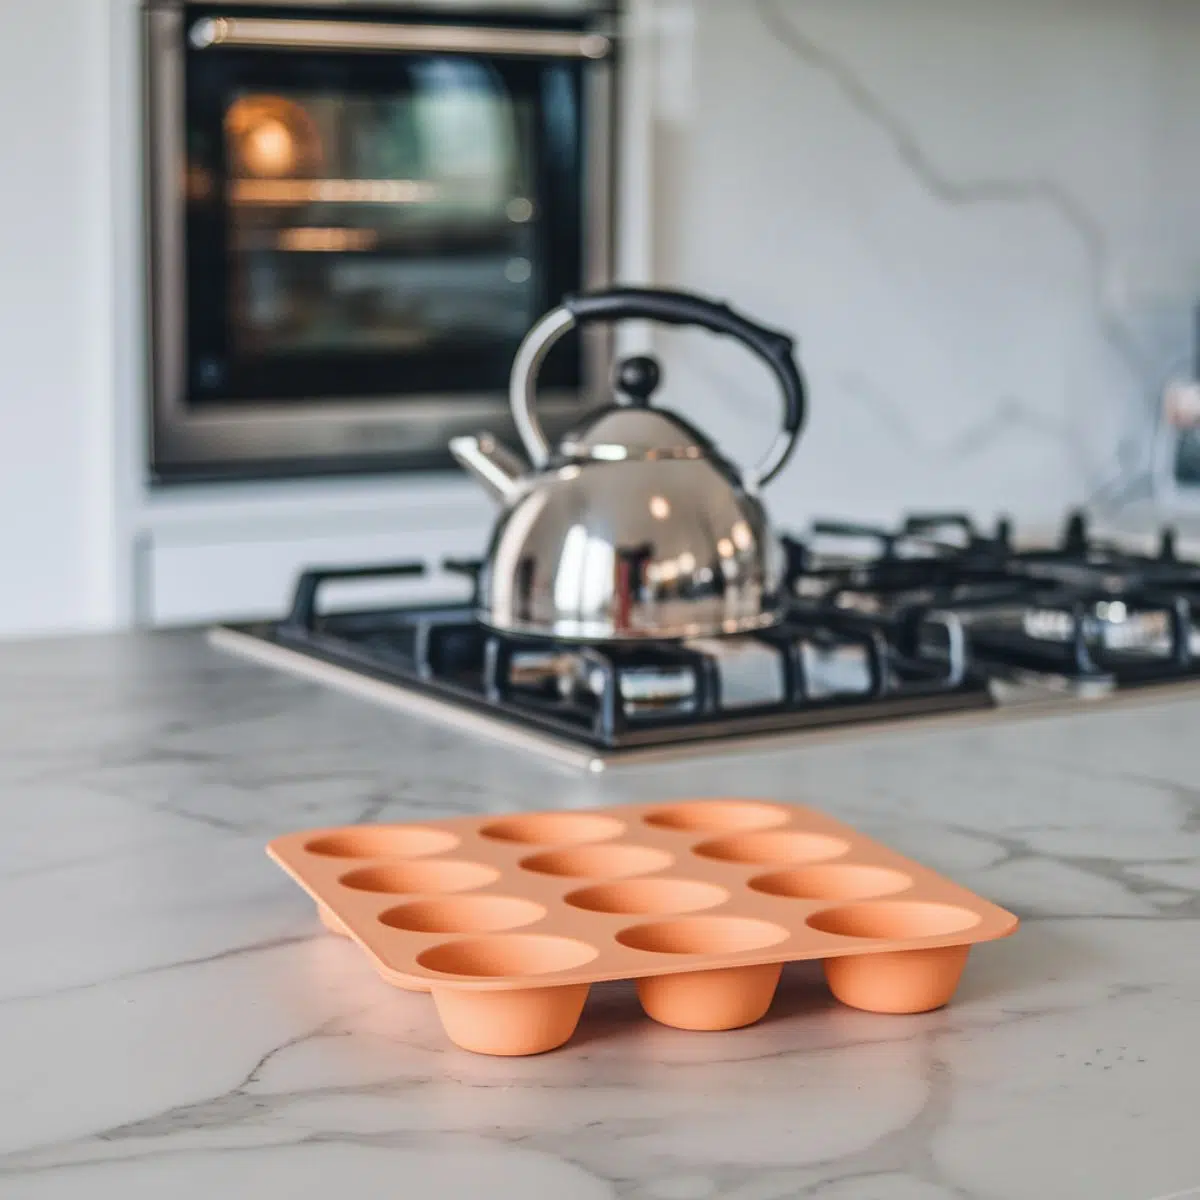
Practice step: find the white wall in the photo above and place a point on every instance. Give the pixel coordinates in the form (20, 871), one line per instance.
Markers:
(56, 430)
(979, 219)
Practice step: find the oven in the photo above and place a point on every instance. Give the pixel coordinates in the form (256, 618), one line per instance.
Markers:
(355, 214)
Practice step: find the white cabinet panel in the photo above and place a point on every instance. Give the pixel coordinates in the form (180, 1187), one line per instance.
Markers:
(192, 583)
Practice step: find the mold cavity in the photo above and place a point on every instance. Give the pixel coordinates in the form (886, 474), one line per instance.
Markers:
(599, 862)
(718, 816)
(648, 896)
(513, 954)
(383, 841)
(464, 914)
(774, 847)
(443, 875)
(832, 882)
(899, 919)
(554, 829)
(703, 935)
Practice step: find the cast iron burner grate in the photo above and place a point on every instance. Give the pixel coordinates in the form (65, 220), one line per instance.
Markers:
(1084, 610)
(813, 669)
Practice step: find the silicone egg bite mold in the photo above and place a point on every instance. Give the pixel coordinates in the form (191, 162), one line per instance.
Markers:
(508, 920)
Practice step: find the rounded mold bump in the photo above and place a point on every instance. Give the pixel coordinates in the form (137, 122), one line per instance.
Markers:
(505, 956)
(703, 935)
(520, 1021)
(726, 998)
(897, 920)
(383, 841)
(718, 816)
(603, 861)
(773, 848)
(464, 914)
(900, 981)
(832, 881)
(554, 829)
(423, 877)
(649, 897)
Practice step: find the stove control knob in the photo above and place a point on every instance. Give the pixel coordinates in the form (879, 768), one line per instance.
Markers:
(1167, 549)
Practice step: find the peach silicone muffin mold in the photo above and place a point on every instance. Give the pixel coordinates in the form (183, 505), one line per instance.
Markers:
(508, 920)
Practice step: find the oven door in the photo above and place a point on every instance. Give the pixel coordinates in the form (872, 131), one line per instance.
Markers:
(354, 222)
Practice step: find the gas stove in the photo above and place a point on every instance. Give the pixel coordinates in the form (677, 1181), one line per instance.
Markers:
(933, 617)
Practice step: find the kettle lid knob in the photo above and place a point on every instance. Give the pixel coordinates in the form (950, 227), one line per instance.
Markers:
(637, 379)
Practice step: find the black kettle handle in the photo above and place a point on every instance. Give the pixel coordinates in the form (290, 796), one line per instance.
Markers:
(668, 307)
(672, 308)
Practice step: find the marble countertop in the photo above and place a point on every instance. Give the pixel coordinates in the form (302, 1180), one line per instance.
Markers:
(175, 1022)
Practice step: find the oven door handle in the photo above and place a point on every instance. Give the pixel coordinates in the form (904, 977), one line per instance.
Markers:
(279, 33)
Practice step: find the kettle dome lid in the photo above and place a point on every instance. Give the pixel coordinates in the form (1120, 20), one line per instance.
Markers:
(624, 432)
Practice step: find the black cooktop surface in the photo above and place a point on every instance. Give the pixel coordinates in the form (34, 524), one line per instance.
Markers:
(879, 624)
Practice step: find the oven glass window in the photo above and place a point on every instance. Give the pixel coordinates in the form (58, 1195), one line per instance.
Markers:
(381, 223)
(370, 226)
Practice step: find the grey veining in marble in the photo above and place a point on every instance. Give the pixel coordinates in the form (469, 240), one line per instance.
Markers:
(174, 1021)
(1045, 192)
(970, 217)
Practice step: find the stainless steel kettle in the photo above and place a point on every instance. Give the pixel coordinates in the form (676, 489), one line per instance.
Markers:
(635, 526)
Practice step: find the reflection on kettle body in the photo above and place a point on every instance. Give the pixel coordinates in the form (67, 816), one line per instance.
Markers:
(583, 580)
(525, 580)
(505, 576)
(632, 569)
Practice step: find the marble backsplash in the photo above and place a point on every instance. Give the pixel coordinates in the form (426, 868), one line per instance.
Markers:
(977, 218)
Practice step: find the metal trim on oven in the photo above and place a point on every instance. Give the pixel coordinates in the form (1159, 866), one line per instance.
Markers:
(225, 440)
(348, 428)
(164, 168)
(451, 8)
(271, 33)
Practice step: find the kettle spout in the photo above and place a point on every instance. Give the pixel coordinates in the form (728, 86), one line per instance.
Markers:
(495, 466)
